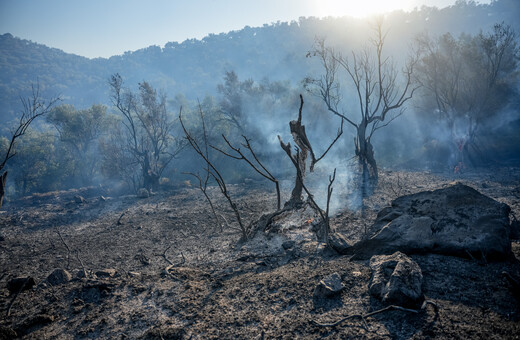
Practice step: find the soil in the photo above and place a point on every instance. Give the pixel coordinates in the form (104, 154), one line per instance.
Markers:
(162, 268)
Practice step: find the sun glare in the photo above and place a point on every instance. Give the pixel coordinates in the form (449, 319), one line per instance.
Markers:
(358, 8)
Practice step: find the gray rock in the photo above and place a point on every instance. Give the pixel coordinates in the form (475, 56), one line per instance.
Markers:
(81, 274)
(143, 193)
(396, 279)
(109, 272)
(456, 220)
(79, 199)
(58, 277)
(339, 243)
(7, 333)
(288, 244)
(20, 283)
(329, 286)
(515, 229)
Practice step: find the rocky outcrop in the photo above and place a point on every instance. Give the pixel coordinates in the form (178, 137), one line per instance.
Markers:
(396, 280)
(457, 220)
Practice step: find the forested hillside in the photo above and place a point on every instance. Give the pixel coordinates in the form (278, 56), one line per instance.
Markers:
(248, 82)
(194, 67)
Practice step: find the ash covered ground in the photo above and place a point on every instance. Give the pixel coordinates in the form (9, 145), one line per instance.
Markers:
(161, 268)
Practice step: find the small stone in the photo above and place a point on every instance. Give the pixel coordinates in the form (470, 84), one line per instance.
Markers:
(134, 274)
(20, 283)
(288, 244)
(143, 193)
(79, 199)
(59, 276)
(329, 286)
(339, 243)
(515, 229)
(80, 274)
(7, 333)
(109, 272)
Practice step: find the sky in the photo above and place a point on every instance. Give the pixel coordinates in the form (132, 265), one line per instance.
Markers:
(103, 28)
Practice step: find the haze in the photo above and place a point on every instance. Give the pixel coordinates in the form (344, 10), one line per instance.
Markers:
(105, 28)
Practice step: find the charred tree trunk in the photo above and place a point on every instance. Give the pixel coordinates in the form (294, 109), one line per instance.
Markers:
(367, 162)
(304, 148)
(3, 180)
(300, 139)
(150, 177)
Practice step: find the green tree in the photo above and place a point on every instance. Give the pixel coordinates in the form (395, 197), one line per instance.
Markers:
(81, 130)
(147, 131)
(34, 106)
(37, 166)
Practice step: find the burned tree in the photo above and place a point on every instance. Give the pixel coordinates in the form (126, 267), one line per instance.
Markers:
(322, 227)
(375, 81)
(304, 146)
(33, 107)
(215, 174)
(148, 127)
(467, 82)
(204, 180)
(255, 164)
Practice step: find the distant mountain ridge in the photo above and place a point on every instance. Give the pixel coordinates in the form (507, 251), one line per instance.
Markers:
(195, 67)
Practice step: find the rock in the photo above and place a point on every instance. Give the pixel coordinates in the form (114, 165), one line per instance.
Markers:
(515, 229)
(58, 277)
(7, 333)
(143, 193)
(329, 286)
(288, 244)
(109, 272)
(134, 274)
(396, 280)
(79, 199)
(339, 243)
(457, 220)
(20, 283)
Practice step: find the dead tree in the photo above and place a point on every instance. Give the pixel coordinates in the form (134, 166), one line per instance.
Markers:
(323, 229)
(203, 181)
(33, 107)
(375, 82)
(259, 167)
(215, 174)
(304, 146)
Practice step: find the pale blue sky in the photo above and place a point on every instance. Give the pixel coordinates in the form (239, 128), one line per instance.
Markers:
(102, 28)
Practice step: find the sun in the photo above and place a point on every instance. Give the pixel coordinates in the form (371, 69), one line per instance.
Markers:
(357, 8)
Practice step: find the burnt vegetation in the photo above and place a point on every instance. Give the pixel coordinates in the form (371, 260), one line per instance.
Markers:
(387, 208)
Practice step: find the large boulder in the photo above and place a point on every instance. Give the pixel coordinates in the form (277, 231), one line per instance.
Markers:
(456, 220)
(396, 280)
